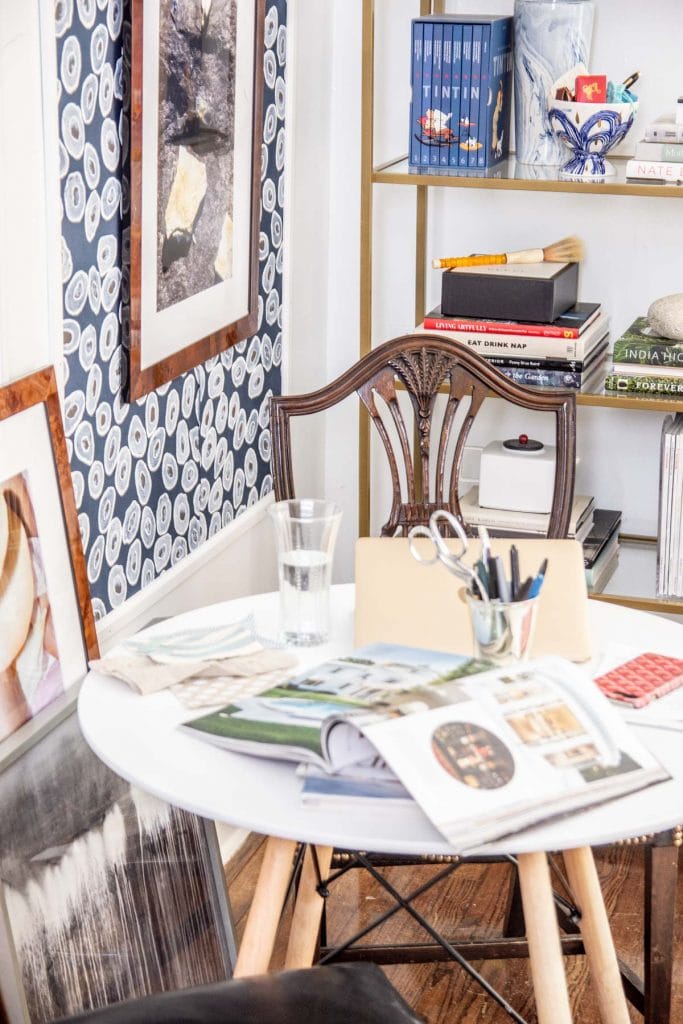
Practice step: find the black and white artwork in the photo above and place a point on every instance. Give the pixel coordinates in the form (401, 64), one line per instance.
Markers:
(196, 147)
(109, 893)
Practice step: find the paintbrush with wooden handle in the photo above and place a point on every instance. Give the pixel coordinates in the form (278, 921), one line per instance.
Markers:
(567, 250)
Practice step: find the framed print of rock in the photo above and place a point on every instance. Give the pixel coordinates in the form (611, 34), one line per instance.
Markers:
(47, 629)
(196, 126)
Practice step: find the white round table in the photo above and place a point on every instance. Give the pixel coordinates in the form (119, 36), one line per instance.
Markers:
(138, 738)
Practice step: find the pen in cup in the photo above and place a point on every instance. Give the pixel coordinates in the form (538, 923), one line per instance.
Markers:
(502, 584)
(538, 580)
(493, 578)
(514, 572)
(524, 591)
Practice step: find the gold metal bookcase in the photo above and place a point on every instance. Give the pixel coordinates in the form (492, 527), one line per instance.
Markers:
(397, 172)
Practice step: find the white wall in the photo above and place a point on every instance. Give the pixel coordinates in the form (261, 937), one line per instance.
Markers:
(633, 244)
(30, 297)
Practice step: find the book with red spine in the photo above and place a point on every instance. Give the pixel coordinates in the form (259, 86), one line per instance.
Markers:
(531, 346)
(570, 325)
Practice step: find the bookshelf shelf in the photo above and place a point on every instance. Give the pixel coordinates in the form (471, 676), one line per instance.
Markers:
(633, 582)
(519, 177)
(621, 400)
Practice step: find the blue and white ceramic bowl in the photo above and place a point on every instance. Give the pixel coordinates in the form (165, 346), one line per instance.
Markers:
(590, 130)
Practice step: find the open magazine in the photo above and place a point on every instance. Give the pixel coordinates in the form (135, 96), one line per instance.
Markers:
(484, 752)
(311, 718)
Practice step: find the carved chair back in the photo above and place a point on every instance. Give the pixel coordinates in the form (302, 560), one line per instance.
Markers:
(421, 367)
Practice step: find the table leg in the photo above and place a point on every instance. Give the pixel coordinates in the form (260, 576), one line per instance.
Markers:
(661, 876)
(258, 940)
(303, 934)
(545, 952)
(596, 934)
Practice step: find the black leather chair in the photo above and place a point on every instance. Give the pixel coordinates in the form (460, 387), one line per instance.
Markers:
(337, 994)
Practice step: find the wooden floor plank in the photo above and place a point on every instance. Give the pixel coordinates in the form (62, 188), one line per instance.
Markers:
(472, 903)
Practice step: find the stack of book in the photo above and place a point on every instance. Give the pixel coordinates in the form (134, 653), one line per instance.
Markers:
(669, 547)
(567, 353)
(659, 154)
(503, 523)
(646, 363)
(601, 548)
(461, 87)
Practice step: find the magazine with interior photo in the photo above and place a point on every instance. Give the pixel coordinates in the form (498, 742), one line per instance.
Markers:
(513, 747)
(484, 751)
(311, 717)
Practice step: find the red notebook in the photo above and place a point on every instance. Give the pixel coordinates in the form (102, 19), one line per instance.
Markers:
(643, 679)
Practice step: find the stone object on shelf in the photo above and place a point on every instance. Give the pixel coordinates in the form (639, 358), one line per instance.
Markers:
(665, 317)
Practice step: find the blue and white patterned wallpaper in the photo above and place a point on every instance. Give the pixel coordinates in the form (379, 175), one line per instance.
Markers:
(155, 478)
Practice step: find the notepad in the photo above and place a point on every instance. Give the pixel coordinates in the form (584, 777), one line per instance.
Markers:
(642, 679)
(400, 601)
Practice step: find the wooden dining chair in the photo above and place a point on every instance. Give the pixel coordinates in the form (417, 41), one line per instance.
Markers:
(425, 472)
(425, 451)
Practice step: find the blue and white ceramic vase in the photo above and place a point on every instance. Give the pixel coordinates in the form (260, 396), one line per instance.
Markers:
(551, 37)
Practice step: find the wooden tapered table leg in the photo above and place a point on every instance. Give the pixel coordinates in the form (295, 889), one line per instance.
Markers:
(258, 940)
(596, 934)
(545, 952)
(303, 934)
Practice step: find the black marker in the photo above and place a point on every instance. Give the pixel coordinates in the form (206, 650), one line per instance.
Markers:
(514, 572)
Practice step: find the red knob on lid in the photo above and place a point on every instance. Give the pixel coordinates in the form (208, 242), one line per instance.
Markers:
(523, 438)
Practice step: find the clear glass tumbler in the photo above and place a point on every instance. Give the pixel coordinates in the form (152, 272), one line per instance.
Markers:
(306, 531)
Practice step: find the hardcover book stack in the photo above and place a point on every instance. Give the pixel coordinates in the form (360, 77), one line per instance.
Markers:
(645, 363)
(601, 548)
(669, 546)
(506, 523)
(659, 155)
(567, 352)
(461, 82)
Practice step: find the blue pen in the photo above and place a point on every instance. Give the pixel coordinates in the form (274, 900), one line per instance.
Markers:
(538, 581)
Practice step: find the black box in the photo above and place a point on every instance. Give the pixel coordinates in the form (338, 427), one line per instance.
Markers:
(509, 292)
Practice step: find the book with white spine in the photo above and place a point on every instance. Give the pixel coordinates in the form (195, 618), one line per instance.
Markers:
(654, 170)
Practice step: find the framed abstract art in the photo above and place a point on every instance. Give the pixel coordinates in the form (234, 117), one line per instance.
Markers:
(196, 127)
(106, 893)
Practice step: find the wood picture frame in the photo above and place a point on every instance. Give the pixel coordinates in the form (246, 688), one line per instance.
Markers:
(195, 183)
(46, 619)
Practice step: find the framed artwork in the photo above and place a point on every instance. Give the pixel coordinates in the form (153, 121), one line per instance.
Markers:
(47, 629)
(106, 893)
(196, 127)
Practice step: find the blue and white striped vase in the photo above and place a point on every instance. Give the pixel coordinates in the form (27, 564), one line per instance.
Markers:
(551, 37)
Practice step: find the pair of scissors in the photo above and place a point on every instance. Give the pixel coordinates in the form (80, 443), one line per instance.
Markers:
(442, 553)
